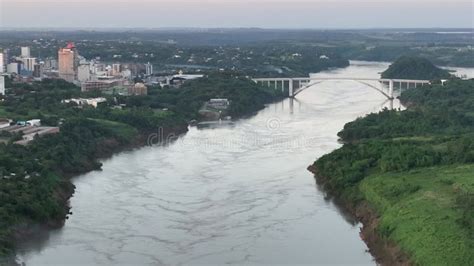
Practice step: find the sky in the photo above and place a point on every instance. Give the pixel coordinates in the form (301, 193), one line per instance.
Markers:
(307, 14)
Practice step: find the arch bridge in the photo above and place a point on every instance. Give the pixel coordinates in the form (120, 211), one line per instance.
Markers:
(384, 86)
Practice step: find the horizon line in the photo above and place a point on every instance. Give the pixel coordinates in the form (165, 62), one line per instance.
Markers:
(468, 29)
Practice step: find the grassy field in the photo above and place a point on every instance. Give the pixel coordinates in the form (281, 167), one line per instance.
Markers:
(120, 129)
(419, 210)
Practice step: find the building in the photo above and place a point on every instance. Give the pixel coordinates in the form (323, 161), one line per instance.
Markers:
(38, 70)
(34, 122)
(13, 68)
(29, 63)
(51, 63)
(148, 69)
(116, 70)
(6, 57)
(84, 73)
(90, 101)
(25, 51)
(138, 89)
(2, 85)
(68, 62)
(126, 74)
(30, 132)
(2, 63)
(180, 79)
(5, 122)
(101, 84)
(220, 104)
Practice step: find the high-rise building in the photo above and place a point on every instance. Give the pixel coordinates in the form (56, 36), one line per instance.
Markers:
(6, 57)
(38, 70)
(84, 73)
(51, 63)
(2, 63)
(25, 51)
(13, 68)
(29, 63)
(116, 69)
(148, 69)
(68, 62)
(2, 85)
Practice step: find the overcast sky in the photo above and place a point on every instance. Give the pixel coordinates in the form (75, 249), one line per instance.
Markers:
(238, 13)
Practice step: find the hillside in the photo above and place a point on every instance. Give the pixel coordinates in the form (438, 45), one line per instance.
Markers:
(414, 68)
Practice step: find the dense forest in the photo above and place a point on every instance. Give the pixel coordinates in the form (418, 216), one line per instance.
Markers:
(416, 169)
(414, 67)
(34, 183)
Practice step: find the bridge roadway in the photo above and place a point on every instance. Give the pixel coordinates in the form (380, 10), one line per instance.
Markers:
(384, 86)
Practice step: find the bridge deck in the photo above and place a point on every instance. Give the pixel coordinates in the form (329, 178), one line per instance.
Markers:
(343, 78)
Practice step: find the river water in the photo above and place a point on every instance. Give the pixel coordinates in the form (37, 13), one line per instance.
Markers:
(238, 194)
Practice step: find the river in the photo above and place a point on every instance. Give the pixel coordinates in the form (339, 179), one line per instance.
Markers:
(238, 194)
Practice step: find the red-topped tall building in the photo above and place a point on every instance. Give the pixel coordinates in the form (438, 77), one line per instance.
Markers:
(68, 62)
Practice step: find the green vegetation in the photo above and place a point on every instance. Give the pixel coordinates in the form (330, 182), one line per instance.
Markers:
(416, 169)
(34, 187)
(414, 68)
(246, 97)
(422, 210)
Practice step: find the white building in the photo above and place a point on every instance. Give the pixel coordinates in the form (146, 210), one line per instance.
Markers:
(90, 101)
(2, 66)
(34, 122)
(25, 51)
(29, 63)
(181, 75)
(84, 73)
(12, 68)
(219, 103)
(2, 85)
(5, 122)
(148, 69)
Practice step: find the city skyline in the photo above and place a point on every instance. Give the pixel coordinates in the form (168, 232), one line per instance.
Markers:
(232, 13)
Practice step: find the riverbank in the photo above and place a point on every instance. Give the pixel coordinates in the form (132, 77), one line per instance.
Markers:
(384, 252)
(63, 192)
(408, 176)
(35, 182)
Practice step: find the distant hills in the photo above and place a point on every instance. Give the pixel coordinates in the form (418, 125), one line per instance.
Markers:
(407, 67)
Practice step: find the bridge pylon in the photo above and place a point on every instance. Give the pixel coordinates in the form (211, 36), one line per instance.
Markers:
(390, 89)
(290, 88)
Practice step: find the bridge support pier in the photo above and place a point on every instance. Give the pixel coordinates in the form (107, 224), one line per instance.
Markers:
(390, 89)
(290, 88)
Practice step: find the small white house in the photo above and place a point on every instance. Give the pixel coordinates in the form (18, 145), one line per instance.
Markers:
(34, 122)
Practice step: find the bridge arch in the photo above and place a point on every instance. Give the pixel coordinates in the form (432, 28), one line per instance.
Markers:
(297, 85)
